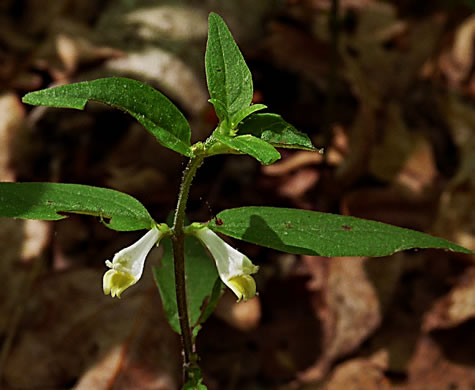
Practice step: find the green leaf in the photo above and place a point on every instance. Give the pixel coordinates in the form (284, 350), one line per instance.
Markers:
(195, 381)
(151, 108)
(244, 113)
(228, 77)
(264, 152)
(273, 129)
(201, 275)
(212, 302)
(51, 201)
(191, 385)
(221, 112)
(314, 233)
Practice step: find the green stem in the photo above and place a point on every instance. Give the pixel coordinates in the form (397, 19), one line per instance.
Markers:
(178, 240)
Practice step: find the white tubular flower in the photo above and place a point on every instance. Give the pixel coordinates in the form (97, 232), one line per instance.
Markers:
(127, 264)
(234, 268)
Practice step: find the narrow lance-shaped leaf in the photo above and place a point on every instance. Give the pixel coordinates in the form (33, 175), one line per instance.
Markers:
(228, 77)
(53, 201)
(201, 276)
(261, 150)
(244, 113)
(151, 108)
(315, 233)
(276, 131)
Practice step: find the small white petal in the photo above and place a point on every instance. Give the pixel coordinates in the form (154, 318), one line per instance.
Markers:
(234, 268)
(128, 264)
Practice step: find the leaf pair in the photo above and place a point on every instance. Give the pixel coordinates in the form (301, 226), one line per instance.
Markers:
(287, 230)
(231, 90)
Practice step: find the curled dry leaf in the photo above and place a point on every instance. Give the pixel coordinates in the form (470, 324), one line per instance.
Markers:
(456, 307)
(299, 183)
(174, 77)
(456, 214)
(12, 114)
(458, 62)
(431, 368)
(77, 330)
(326, 4)
(295, 161)
(141, 167)
(360, 374)
(74, 51)
(346, 304)
(307, 55)
(168, 22)
(392, 205)
(36, 238)
(402, 157)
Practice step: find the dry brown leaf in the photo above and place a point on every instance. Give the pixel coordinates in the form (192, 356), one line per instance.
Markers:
(456, 307)
(360, 374)
(293, 49)
(36, 237)
(361, 140)
(12, 114)
(168, 22)
(419, 172)
(175, 78)
(326, 4)
(457, 64)
(75, 51)
(299, 183)
(402, 157)
(392, 205)
(244, 316)
(141, 167)
(73, 326)
(431, 369)
(456, 214)
(346, 305)
(295, 161)
(11, 241)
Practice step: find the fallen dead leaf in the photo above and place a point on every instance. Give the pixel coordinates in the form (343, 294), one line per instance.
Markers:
(360, 374)
(394, 205)
(295, 161)
(299, 183)
(431, 369)
(73, 327)
(12, 114)
(457, 63)
(456, 307)
(174, 77)
(308, 55)
(36, 237)
(75, 51)
(346, 305)
(456, 214)
(240, 315)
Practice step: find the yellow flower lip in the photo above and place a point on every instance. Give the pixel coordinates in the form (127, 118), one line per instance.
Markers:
(115, 282)
(127, 266)
(234, 268)
(243, 286)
